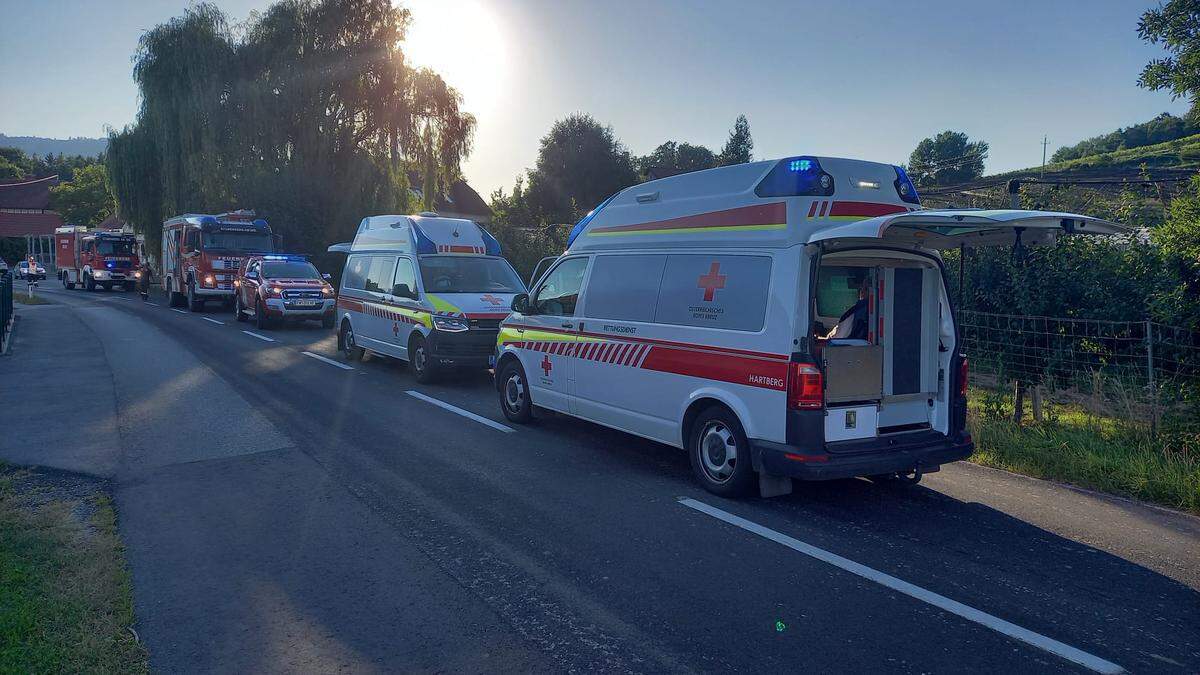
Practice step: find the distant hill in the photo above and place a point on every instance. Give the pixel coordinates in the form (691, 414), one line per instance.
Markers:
(34, 145)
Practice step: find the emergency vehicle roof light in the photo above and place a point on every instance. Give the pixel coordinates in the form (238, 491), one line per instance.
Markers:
(260, 222)
(796, 177)
(583, 222)
(208, 220)
(490, 245)
(424, 243)
(290, 257)
(905, 187)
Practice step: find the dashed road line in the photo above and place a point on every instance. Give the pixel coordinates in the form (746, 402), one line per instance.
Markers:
(997, 624)
(178, 310)
(264, 338)
(219, 323)
(465, 413)
(328, 360)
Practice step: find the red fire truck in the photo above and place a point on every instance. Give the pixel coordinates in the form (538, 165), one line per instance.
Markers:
(201, 255)
(104, 258)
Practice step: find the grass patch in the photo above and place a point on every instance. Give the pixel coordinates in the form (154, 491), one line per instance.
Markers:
(1088, 450)
(23, 298)
(65, 596)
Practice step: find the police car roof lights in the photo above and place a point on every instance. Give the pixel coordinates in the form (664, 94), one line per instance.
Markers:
(290, 257)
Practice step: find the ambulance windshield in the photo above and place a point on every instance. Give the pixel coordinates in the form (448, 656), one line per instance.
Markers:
(111, 247)
(463, 274)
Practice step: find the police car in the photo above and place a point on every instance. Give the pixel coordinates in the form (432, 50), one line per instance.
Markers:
(779, 319)
(272, 288)
(424, 289)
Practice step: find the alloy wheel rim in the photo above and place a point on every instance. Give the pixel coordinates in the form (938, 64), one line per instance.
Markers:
(514, 392)
(718, 452)
(419, 357)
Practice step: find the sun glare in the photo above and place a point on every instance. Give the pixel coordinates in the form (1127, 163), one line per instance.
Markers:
(463, 41)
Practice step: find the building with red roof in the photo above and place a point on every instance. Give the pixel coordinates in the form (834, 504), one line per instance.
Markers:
(25, 212)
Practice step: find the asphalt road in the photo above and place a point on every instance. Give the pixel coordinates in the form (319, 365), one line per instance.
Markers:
(284, 512)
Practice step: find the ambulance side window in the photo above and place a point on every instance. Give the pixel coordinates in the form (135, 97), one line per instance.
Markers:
(624, 287)
(379, 274)
(355, 276)
(559, 293)
(405, 275)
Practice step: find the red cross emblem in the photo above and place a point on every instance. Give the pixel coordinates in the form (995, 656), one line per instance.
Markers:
(546, 365)
(396, 329)
(712, 281)
(492, 299)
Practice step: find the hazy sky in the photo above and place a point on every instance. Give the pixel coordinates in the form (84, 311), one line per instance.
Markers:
(866, 79)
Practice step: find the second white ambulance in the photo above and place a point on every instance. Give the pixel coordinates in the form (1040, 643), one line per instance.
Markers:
(780, 319)
(424, 289)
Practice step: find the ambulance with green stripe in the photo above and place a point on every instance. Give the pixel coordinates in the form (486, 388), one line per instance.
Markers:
(777, 320)
(424, 289)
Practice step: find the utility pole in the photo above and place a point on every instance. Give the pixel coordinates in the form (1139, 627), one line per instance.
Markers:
(1045, 142)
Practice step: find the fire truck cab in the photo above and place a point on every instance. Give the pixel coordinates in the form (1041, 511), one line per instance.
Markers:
(103, 258)
(201, 255)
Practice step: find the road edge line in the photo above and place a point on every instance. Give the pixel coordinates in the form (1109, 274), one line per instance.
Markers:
(327, 360)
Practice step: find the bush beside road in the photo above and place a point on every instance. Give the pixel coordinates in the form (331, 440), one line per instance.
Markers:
(66, 602)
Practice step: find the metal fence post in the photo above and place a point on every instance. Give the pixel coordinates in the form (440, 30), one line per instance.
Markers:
(1150, 376)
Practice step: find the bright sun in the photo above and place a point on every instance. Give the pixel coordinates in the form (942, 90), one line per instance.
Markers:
(463, 42)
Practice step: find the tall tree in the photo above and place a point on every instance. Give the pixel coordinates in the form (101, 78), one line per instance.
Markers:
(1176, 26)
(740, 145)
(85, 200)
(947, 159)
(672, 158)
(580, 163)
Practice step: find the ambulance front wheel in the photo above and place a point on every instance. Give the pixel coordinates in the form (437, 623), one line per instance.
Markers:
(424, 369)
(346, 343)
(720, 453)
(514, 392)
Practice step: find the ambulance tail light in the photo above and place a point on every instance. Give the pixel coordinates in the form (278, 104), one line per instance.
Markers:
(962, 377)
(805, 387)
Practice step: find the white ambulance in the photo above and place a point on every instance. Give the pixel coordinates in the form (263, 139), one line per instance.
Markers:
(778, 319)
(425, 289)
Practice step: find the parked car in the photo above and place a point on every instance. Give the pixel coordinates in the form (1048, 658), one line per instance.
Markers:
(23, 272)
(273, 288)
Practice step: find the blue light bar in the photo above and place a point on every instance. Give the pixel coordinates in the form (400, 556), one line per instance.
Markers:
(290, 257)
(583, 222)
(905, 187)
(424, 243)
(490, 245)
(796, 177)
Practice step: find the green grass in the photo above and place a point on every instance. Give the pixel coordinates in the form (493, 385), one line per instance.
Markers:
(65, 596)
(1181, 153)
(23, 298)
(1080, 448)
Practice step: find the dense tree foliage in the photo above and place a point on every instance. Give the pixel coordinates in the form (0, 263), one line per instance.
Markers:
(1176, 26)
(1165, 127)
(14, 163)
(672, 158)
(1178, 240)
(307, 114)
(85, 200)
(740, 146)
(947, 159)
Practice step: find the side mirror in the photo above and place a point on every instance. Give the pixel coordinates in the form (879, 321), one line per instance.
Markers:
(403, 291)
(520, 303)
(326, 276)
(251, 274)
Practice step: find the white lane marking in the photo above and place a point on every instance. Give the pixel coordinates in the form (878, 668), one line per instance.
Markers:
(178, 310)
(940, 601)
(152, 303)
(328, 360)
(465, 413)
(219, 323)
(264, 338)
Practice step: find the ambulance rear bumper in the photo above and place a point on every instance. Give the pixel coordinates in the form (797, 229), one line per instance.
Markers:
(920, 452)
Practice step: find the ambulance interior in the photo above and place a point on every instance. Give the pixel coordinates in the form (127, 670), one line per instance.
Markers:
(884, 334)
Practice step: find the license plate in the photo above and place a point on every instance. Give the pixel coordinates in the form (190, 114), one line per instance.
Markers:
(306, 303)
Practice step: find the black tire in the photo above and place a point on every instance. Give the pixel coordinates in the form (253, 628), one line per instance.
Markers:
(260, 316)
(720, 453)
(107, 286)
(237, 308)
(89, 284)
(346, 343)
(174, 297)
(327, 321)
(515, 402)
(194, 303)
(127, 287)
(424, 369)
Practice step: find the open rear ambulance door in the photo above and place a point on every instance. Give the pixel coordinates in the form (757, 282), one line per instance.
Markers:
(951, 228)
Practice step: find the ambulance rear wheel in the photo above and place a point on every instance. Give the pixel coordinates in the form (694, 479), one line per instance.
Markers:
(514, 393)
(346, 343)
(720, 453)
(422, 365)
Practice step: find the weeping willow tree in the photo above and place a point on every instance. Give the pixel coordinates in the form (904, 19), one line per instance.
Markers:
(306, 113)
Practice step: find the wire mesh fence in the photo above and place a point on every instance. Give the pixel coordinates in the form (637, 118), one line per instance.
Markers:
(1139, 371)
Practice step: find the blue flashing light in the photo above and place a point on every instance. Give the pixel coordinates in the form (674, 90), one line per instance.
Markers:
(583, 222)
(796, 177)
(261, 223)
(424, 243)
(905, 188)
(490, 245)
(110, 264)
(289, 257)
(208, 220)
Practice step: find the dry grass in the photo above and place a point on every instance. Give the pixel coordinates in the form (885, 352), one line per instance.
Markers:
(66, 602)
(23, 298)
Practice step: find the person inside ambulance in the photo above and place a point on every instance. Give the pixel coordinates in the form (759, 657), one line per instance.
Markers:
(853, 323)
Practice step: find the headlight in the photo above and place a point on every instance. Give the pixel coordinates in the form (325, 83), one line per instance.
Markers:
(450, 324)
(98, 274)
(208, 280)
(137, 274)
(327, 291)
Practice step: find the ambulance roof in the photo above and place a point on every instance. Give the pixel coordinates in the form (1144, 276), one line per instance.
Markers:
(423, 234)
(770, 204)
